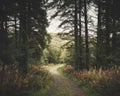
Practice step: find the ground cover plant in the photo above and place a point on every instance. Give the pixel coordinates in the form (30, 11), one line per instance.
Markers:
(36, 82)
(98, 82)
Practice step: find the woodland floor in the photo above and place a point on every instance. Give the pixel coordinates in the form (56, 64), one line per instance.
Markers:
(63, 86)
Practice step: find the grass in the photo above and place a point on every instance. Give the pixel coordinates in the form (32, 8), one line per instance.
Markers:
(36, 83)
(42, 83)
(39, 92)
(96, 82)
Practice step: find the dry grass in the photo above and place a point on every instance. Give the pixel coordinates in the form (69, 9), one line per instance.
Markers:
(104, 82)
(37, 78)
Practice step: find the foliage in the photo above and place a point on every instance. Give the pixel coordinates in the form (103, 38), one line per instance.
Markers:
(103, 82)
(36, 80)
(105, 52)
(53, 52)
(107, 33)
(67, 49)
(23, 38)
(61, 49)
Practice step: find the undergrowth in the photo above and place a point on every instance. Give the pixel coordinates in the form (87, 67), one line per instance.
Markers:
(36, 83)
(96, 82)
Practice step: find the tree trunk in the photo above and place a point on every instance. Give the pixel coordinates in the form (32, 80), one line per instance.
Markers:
(2, 45)
(99, 39)
(107, 34)
(86, 35)
(16, 33)
(80, 37)
(76, 36)
(23, 39)
(2, 76)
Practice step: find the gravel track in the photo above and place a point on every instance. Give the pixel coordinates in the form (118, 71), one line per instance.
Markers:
(63, 86)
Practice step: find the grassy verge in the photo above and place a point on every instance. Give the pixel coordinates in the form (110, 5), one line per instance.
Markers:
(95, 82)
(42, 83)
(39, 92)
(82, 85)
(36, 83)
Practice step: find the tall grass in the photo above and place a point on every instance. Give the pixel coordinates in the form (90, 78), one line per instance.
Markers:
(36, 82)
(102, 82)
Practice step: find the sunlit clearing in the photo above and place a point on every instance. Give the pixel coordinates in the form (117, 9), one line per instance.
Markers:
(53, 70)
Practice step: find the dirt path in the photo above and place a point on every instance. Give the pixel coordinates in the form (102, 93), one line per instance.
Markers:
(63, 86)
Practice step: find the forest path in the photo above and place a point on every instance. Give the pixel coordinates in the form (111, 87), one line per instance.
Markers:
(62, 85)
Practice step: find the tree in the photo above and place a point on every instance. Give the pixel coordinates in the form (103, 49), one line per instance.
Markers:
(22, 29)
(76, 38)
(99, 37)
(107, 17)
(86, 34)
(107, 29)
(80, 35)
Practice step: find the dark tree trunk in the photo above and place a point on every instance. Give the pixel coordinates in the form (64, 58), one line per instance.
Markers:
(23, 39)
(114, 35)
(2, 76)
(76, 37)
(107, 34)
(99, 38)
(2, 35)
(80, 37)
(86, 35)
(3, 43)
(16, 33)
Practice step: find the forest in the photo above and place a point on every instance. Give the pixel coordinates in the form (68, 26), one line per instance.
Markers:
(87, 51)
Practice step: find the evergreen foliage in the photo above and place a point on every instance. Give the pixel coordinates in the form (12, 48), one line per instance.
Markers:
(106, 51)
(22, 36)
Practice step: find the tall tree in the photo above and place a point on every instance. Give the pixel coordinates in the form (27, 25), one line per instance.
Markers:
(4, 42)
(24, 21)
(76, 38)
(86, 34)
(80, 35)
(99, 37)
(107, 34)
